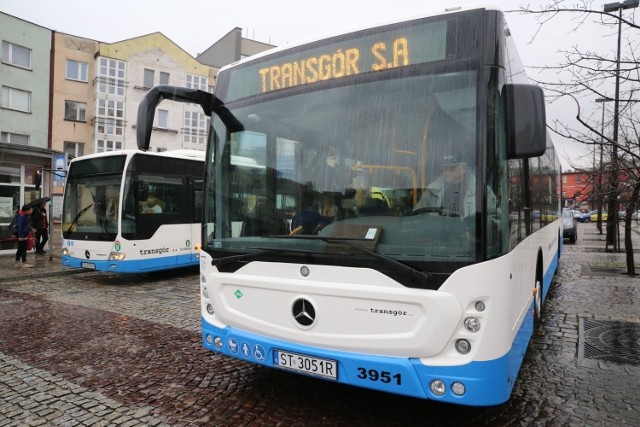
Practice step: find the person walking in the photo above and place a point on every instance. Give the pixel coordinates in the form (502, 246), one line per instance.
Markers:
(24, 228)
(41, 224)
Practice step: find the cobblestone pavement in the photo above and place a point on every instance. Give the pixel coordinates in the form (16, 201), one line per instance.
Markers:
(94, 349)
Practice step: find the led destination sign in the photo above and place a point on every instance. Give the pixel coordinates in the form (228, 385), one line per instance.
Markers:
(332, 66)
(398, 47)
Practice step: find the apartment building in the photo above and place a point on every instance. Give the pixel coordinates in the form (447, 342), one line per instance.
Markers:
(24, 115)
(125, 71)
(72, 101)
(230, 48)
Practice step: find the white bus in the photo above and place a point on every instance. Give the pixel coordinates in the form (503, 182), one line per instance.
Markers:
(402, 231)
(132, 212)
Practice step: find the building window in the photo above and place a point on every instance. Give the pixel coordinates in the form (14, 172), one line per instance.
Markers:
(164, 78)
(564, 179)
(196, 82)
(148, 78)
(14, 138)
(111, 76)
(77, 70)
(104, 145)
(195, 127)
(74, 149)
(10, 174)
(17, 55)
(163, 118)
(16, 99)
(109, 117)
(76, 111)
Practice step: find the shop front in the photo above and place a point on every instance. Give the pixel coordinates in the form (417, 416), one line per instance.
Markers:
(19, 166)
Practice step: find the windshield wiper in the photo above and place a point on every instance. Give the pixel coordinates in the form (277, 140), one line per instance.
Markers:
(77, 218)
(411, 272)
(260, 251)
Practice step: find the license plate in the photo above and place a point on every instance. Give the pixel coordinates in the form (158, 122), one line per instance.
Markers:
(325, 368)
(88, 265)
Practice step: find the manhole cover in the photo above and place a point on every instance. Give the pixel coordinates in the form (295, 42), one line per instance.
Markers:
(610, 341)
(606, 271)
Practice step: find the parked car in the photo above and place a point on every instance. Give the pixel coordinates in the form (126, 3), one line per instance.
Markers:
(569, 225)
(594, 216)
(586, 216)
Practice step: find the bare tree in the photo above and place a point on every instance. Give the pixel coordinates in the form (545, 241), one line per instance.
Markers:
(585, 74)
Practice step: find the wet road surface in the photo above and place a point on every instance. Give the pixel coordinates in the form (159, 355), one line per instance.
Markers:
(96, 349)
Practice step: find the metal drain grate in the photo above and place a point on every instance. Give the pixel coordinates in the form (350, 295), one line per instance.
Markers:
(610, 341)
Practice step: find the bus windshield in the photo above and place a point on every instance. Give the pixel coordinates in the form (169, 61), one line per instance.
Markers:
(388, 162)
(91, 198)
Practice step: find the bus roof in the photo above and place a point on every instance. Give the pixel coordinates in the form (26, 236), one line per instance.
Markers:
(181, 153)
(439, 12)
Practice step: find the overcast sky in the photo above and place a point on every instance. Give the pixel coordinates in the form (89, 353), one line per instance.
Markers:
(196, 24)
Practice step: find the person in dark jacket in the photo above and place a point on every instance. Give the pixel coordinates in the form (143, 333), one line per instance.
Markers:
(24, 227)
(41, 224)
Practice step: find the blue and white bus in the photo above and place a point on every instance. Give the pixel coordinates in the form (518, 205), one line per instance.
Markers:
(344, 256)
(131, 211)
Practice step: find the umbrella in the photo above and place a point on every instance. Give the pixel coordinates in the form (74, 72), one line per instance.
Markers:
(38, 202)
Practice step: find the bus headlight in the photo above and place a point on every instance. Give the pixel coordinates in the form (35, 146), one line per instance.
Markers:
(217, 342)
(472, 324)
(210, 309)
(437, 387)
(205, 293)
(116, 256)
(480, 306)
(458, 388)
(65, 251)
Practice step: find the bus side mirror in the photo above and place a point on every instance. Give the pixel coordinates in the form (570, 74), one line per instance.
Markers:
(526, 121)
(208, 101)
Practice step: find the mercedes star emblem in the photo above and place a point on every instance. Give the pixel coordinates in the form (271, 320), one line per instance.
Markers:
(303, 312)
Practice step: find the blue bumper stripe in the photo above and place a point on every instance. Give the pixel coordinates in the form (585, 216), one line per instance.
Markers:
(135, 266)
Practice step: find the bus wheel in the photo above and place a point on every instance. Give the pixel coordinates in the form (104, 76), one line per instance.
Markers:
(537, 301)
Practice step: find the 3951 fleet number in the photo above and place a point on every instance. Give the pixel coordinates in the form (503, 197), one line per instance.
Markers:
(382, 376)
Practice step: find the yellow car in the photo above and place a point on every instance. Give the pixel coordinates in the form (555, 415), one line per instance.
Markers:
(594, 216)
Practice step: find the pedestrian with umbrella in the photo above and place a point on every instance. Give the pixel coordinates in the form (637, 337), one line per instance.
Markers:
(40, 223)
(24, 229)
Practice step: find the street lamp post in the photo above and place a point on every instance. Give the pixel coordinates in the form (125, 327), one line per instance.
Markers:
(612, 209)
(599, 182)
